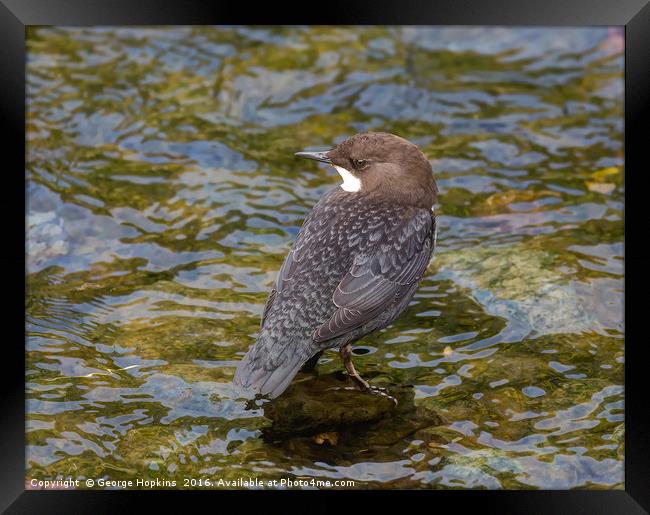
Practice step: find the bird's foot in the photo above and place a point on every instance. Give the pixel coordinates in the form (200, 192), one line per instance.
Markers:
(382, 392)
(364, 386)
(337, 388)
(361, 383)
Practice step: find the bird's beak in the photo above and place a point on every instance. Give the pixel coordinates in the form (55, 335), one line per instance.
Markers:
(316, 156)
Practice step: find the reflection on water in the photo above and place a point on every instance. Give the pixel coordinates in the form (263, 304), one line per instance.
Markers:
(163, 195)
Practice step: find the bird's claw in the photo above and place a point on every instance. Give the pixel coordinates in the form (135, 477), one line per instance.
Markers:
(330, 388)
(378, 390)
(368, 388)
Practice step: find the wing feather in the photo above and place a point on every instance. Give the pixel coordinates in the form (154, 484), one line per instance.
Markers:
(285, 275)
(381, 279)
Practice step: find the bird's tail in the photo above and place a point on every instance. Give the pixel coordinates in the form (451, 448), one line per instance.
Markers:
(268, 370)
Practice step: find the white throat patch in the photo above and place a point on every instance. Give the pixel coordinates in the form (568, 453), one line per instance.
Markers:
(350, 182)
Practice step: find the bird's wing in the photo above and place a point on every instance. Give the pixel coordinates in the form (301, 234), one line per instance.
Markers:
(381, 278)
(287, 270)
(289, 266)
(267, 307)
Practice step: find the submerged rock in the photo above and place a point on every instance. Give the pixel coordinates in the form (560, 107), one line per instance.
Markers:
(524, 285)
(407, 418)
(330, 410)
(324, 404)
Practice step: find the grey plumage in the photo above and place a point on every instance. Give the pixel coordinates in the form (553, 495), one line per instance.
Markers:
(353, 268)
(353, 264)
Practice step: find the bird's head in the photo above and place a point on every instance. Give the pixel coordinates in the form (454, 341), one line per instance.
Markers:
(383, 165)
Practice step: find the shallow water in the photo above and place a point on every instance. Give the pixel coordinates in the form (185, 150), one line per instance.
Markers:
(163, 195)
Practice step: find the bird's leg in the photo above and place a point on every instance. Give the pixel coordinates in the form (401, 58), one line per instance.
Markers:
(346, 356)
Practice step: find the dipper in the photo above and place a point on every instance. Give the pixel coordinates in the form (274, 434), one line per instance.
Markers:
(355, 264)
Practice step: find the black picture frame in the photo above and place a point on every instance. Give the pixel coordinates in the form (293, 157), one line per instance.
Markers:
(16, 15)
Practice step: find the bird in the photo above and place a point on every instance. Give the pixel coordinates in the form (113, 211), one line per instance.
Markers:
(355, 264)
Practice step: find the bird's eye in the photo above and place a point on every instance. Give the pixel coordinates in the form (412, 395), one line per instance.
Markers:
(359, 164)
